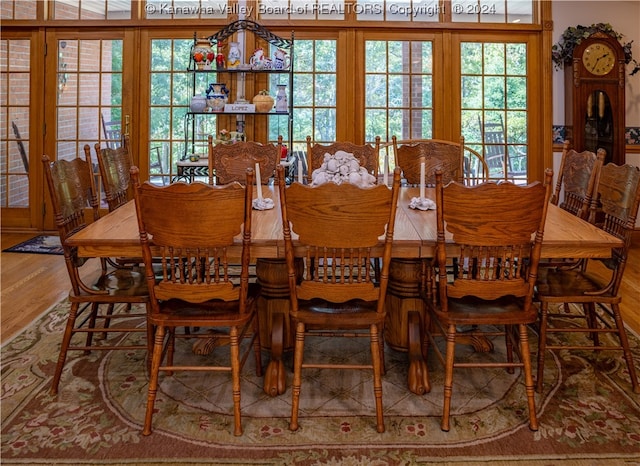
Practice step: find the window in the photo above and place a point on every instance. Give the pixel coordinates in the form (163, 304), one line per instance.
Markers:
(15, 100)
(494, 109)
(399, 84)
(315, 83)
(169, 94)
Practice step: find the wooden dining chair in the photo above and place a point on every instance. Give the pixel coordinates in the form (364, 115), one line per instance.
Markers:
(596, 296)
(194, 289)
(436, 153)
(577, 179)
(497, 229)
(72, 190)
(366, 154)
(229, 162)
(340, 229)
(114, 165)
(574, 190)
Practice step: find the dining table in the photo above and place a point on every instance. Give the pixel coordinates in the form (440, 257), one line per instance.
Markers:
(414, 242)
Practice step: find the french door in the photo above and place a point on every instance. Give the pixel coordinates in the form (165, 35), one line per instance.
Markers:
(89, 99)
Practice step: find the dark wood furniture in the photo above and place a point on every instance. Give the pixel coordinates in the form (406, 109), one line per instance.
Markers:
(618, 193)
(72, 190)
(194, 288)
(595, 106)
(338, 229)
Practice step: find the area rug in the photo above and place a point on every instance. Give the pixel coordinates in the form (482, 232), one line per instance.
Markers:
(42, 244)
(588, 414)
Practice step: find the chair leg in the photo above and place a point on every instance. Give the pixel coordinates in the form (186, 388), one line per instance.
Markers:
(624, 341)
(297, 376)
(153, 378)
(592, 321)
(171, 346)
(64, 347)
(256, 345)
(377, 377)
(508, 335)
(448, 377)
(107, 320)
(95, 307)
(528, 376)
(235, 379)
(542, 344)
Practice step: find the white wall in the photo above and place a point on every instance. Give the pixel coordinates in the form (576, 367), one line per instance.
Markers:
(624, 17)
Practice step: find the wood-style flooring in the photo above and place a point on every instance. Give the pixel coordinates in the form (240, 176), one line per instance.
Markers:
(32, 283)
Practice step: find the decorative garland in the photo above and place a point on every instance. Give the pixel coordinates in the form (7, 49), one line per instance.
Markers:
(562, 52)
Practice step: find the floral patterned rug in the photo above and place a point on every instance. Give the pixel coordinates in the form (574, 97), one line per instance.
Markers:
(588, 414)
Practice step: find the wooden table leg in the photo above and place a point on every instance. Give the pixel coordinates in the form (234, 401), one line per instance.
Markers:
(276, 334)
(418, 376)
(406, 318)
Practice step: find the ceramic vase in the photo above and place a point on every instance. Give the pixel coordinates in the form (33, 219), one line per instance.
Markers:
(217, 96)
(198, 103)
(282, 103)
(234, 57)
(203, 54)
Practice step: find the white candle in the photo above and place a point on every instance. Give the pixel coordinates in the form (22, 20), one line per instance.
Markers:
(258, 181)
(300, 177)
(385, 173)
(422, 178)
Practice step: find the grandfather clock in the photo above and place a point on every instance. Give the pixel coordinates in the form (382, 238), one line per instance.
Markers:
(594, 97)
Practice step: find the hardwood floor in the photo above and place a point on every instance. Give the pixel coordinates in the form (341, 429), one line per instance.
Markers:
(32, 283)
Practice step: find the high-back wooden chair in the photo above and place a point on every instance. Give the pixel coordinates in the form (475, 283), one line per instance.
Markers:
(339, 230)
(497, 229)
(577, 179)
(114, 165)
(194, 288)
(229, 162)
(72, 190)
(615, 207)
(445, 155)
(366, 155)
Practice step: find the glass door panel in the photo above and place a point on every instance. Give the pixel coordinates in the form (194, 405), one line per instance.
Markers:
(15, 76)
(88, 97)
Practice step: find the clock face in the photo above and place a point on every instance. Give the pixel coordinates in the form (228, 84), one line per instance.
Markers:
(598, 58)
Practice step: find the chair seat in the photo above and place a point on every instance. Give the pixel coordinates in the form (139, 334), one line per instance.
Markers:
(474, 311)
(353, 314)
(557, 285)
(118, 283)
(178, 313)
